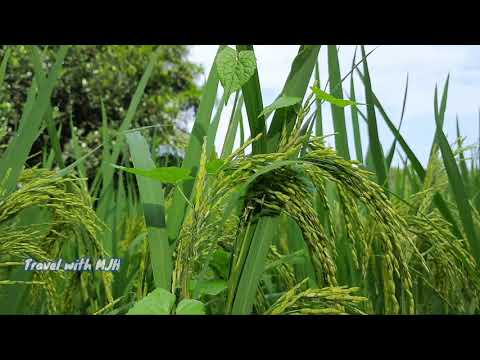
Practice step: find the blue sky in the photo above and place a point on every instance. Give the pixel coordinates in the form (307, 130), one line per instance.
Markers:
(389, 65)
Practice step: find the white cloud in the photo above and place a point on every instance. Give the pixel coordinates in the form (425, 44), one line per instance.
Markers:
(426, 65)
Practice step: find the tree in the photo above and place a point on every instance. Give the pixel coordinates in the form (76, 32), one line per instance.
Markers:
(108, 73)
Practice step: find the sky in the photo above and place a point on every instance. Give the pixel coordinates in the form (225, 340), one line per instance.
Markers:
(426, 66)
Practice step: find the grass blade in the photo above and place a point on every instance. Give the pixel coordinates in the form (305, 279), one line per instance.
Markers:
(3, 65)
(392, 148)
(18, 150)
(232, 129)
(375, 145)
(252, 96)
(152, 198)
(295, 86)
(458, 187)
(356, 126)
(319, 117)
(253, 266)
(338, 113)
(176, 211)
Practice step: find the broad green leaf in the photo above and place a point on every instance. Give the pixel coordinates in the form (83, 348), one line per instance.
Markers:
(322, 95)
(190, 307)
(281, 102)
(168, 175)
(220, 262)
(208, 287)
(158, 302)
(235, 69)
(214, 166)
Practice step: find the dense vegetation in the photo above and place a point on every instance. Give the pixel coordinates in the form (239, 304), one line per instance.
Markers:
(93, 75)
(281, 224)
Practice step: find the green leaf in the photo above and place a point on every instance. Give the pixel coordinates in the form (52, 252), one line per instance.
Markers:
(3, 65)
(296, 85)
(281, 102)
(322, 95)
(167, 175)
(153, 204)
(249, 271)
(337, 103)
(456, 182)
(235, 69)
(375, 145)
(355, 125)
(232, 129)
(33, 114)
(176, 211)
(417, 166)
(190, 307)
(221, 262)
(252, 94)
(214, 166)
(158, 302)
(208, 287)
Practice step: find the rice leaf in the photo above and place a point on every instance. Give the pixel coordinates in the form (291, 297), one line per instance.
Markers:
(152, 198)
(457, 185)
(253, 267)
(392, 148)
(375, 145)
(295, 86)
(232, 129)
(252, 96)
(355, 125)
(19, 149)
(176, 211)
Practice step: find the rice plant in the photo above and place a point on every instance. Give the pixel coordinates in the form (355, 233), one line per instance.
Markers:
(281, 224)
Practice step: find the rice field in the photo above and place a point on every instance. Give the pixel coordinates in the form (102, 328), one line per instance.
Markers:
(276, 223)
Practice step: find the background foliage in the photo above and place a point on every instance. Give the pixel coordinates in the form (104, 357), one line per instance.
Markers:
(108, 73)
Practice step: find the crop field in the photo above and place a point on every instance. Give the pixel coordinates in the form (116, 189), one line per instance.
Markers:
(110, 205)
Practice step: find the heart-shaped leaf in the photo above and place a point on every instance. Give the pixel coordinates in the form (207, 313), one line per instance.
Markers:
(158, 302)
(235, 69)
(322, 95)
(190, 307)
(166, 175)
(281, 102)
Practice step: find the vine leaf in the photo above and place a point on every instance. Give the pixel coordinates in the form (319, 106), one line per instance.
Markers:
(281, 102)
(235, 69)
(322, 95)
